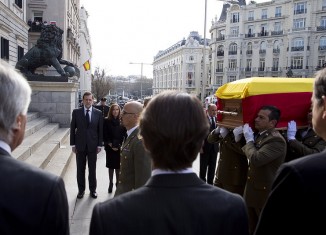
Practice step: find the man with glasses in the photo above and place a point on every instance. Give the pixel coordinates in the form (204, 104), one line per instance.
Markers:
(135, 164)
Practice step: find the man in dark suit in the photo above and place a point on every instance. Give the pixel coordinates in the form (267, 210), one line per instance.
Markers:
(297, 202)
(174, 200)
(208, 155)
(86, 137)
(265, 152)
(32, 201)
(135, 164)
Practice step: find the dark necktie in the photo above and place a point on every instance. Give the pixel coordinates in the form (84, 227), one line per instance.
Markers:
(87, 117)
(212, 123)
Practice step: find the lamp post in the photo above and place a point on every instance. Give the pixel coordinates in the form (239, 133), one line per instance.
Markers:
(141, 76)
(204, 59)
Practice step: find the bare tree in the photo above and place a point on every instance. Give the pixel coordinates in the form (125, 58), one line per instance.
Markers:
(101, 84)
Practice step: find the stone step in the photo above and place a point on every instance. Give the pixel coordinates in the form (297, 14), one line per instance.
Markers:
(32, 115)
(61, 159)
(32, 142)
(35, 124)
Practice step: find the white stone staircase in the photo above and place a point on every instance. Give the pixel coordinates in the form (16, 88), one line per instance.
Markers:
(45, 145)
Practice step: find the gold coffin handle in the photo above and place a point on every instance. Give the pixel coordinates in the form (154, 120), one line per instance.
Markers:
(234, 113)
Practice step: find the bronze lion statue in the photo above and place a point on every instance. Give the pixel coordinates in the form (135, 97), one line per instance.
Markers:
(47, 51)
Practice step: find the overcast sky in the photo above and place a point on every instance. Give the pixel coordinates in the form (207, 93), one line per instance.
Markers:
(125, 31)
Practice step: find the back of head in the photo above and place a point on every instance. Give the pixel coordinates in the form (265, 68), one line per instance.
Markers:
(173, 127)
(15, 96)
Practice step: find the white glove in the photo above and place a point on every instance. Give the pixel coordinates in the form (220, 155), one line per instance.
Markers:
(248, 133)
(292, 130)
(217, 130)
(237, 132)
(224, 131)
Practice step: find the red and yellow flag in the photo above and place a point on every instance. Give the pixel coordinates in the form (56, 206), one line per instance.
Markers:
(87, 65)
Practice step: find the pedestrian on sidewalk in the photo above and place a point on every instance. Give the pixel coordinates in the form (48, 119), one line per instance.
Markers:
(135, 168)
(32, 201)
(86, 137)
(113, 135)
(174, 200)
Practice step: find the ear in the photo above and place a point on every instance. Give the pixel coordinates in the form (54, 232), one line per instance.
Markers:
(18, 125)
(324, 106)
(273, 123)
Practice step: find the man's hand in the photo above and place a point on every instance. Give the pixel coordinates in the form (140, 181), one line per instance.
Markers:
(217, 130)
(237, 132)
(292, 130)
(224, 131)
(248, 133)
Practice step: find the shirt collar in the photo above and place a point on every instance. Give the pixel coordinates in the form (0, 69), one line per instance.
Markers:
(90, 109)
(131, 130)
(161, 171)
(5, 146)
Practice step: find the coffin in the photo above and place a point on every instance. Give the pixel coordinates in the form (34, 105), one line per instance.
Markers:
(239, 101)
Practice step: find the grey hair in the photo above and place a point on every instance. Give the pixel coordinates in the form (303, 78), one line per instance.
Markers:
(320, 86)
(15, 97)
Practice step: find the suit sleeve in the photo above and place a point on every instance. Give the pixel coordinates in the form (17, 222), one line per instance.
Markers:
(100, 130)
(96, 227)
(57, 210)
(142, 164)
(73, 128)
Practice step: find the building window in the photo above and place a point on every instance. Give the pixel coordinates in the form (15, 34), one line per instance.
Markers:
(264, 13)
(299, 23)
(234, 31)
(20, 53)
(275, 64)
(297, 44)
(232, 65)
(248, 65)
(297, 62)
(19, 3)
(235, 17)
(322, 44)
(321, 61)
(232, 78)
(251, 15)
(4, 49)
(233, 49)
(324, 5)
(276, 47)
(277, 26)
(261, 64)
(300, 8)
(323, 21)
(219, 80)
(38, 16)
(219, 66)
(278, 11)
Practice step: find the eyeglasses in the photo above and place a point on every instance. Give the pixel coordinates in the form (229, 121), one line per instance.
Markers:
(125, 113)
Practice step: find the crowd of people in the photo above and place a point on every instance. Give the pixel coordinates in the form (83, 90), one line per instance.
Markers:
(266, 182)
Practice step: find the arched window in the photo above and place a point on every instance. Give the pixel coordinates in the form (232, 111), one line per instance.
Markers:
(233, 49)
(249, 46)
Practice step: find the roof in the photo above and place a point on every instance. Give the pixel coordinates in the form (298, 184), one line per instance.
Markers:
(263, 85)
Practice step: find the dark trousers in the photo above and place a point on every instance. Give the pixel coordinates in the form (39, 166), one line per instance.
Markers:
(207, 164)
(81, 159)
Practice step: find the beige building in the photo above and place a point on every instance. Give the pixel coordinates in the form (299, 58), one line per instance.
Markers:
(63, 13)
(13, 30)
(270, 39)
(85, 52)
(179, 67)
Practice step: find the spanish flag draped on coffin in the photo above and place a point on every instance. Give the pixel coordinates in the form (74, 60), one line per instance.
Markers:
(239, 101)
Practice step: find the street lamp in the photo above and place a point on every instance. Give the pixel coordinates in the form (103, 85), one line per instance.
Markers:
(204, 58)
(141, 76)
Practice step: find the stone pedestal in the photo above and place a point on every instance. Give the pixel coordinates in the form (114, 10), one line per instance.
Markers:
(55, 100)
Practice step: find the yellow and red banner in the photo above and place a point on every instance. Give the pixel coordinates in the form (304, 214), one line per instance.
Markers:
(87, 65)
(291, 95)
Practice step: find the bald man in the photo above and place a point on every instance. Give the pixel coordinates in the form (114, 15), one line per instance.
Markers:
(135, 164)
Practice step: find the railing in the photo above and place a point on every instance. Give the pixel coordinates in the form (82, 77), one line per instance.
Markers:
(264, 16)
(262, 51)
(220, 53)
(278, 14)
(220, 38)
(250, 18)
(219, 70)
(322, 48)
(263, 34)
(250, 35)
(300, 11)
(276, 51)
(321, 28)
(233, 52)
(277, 32)
(301, 48)
(249, 52)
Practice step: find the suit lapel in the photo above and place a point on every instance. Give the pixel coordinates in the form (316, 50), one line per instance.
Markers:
(129, 138)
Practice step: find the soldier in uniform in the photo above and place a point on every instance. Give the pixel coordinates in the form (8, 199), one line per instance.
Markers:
(232, 168)
(304, 141)
(135, 164)
(265, 153)
(103, 107)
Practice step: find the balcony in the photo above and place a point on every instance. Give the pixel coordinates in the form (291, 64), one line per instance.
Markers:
(321, 28)
(275, 69)
(278, 14)
(321, 48)
(220, 38)
(300, 11)
(251, 18)
(249, 52)
(248, 69)
(276, 51)
(297, 67)
(233, 52)
(219, 70)
(220, 53)
(275, 33)
(234, 20)
(261, 69)
(264, 17)
(263, 34)
(262, 51)
(250, 35)
(301, 48)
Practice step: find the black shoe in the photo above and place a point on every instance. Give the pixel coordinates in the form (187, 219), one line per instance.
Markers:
(93, 194)
(110, 188)
(80, 195)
